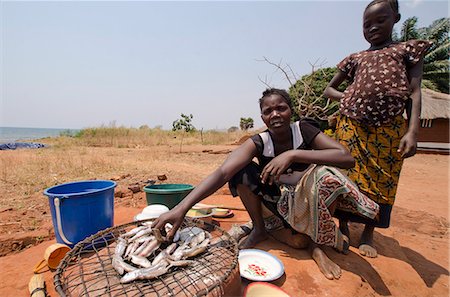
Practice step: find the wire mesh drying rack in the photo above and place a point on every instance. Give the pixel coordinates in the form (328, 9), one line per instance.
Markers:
(87, 269)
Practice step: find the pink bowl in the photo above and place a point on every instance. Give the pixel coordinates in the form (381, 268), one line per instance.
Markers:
(262, 289)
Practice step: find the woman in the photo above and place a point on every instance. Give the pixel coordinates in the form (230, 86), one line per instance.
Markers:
(288, 180)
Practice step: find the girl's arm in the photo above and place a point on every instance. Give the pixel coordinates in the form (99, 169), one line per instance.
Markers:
(408, 143)
(235, 162)
(331, 89)
(326, 151)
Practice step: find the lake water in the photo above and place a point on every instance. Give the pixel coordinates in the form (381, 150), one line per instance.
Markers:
(14, 134)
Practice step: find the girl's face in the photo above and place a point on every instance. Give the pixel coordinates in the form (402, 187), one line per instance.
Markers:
(378, 22)
(275, 112)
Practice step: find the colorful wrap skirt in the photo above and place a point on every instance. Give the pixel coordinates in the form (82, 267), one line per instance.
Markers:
(378, 164)
(305, 207)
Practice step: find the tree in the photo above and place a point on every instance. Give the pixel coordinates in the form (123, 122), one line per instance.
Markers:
(436, 60)
(246, 123)
(232, 129)
(307, 92)
(307, 95)
(184, 123)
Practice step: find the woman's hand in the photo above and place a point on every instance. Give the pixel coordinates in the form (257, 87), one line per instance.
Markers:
(272, 171)
(408, 145)
(174, 217)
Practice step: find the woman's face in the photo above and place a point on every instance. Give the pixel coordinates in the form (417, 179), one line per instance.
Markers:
(378, 22)
(275, 112)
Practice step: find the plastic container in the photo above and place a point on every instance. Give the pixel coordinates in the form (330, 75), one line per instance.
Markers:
(261, 289)
(202, 214)
(80, 209)
(167, 194)
(155, 210)
(151, 212)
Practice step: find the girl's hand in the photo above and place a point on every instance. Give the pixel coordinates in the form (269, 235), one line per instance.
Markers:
(174, 217)
(272, 171)
(408, 145)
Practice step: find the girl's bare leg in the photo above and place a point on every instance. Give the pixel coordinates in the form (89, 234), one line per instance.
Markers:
(329, 269)
(366, 247)
(253, 205)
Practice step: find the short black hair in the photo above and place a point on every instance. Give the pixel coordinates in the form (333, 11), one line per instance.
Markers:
(392, 3)
(272, 91)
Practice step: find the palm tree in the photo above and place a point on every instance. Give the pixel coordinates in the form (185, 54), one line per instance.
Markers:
(436, 61)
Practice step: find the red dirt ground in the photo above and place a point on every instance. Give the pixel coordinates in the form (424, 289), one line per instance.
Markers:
(413, 253)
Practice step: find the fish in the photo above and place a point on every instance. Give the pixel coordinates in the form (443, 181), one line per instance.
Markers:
(178, 253)
(165, 254)
(158, 235)
(142, 246)
(137, 246)
(180, 263)
(169, 227)
(131, 248)
(133, 231)
(160, 257)
(140, 234)
(171, 248)
(121, 266)
(197, 239)
(120, 247)
(141, 261)
(196, 250)
(145, 273)
(153, 271)
(189, 232)
(150, 248)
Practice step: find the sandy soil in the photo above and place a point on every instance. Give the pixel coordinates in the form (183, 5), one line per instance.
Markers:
(413, 253)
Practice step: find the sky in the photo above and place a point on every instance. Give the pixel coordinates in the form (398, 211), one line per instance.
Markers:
(80, 64)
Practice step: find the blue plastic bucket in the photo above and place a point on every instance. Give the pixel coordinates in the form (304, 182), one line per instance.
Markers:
(80, 209)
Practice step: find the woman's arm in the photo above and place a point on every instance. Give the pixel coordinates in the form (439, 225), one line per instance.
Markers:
(408, 143)
(326, 151)
(331, 89)
(235, 162)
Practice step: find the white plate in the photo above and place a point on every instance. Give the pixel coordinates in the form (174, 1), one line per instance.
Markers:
(143, 216)
(258, 265)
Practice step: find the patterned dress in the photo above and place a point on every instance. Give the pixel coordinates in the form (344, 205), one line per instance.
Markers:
(371, 122)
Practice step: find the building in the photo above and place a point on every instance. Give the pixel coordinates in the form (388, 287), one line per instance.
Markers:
(434, 131)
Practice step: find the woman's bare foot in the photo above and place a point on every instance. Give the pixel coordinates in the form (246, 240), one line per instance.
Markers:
(366, 247)
(296, 241)
(329, 269)
(253, 238)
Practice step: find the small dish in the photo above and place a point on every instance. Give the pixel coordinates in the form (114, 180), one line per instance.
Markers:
(202, 214)
(151, 212)
(155, 210)
(143, 216)
(258, 265)
(222, 213)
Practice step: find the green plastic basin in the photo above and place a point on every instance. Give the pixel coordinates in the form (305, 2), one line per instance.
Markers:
(167, 194)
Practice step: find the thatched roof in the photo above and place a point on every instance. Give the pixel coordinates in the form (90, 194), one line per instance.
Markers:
(435, 105)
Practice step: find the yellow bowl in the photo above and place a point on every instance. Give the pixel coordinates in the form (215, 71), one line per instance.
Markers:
(202, 214)
(221, 211)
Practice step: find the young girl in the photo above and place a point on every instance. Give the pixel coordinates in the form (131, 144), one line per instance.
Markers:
(385, 80)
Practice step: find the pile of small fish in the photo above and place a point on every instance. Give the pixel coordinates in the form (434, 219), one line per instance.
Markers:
(135, 252)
